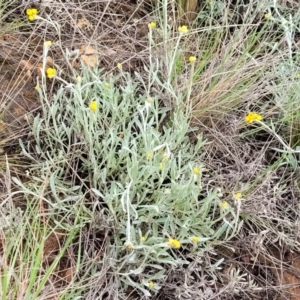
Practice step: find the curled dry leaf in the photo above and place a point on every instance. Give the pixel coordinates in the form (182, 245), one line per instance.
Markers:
(69, 274)
(88, 55)
(83, 23)
(26, 64)
(291, 277)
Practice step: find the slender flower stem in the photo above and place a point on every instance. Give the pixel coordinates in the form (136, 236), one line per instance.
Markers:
(288, 148)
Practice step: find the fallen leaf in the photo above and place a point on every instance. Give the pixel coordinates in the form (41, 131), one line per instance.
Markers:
(89, 55)
(293, 284)
(28, 73)
(88, 50)
(83, 22)
(69, 274)
(49, 61)
(26, 64)
(90, 60)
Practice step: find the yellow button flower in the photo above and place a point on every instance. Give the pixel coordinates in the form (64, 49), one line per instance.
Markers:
(196, 170)
(143, 239)
(93, 105)
(267, 16)
(183, 29)
(149, 155)
(150, 284)
(48, 44)
(174, 243)
(224, 204)
(238, 195)
(31, 13)
(51, 73)
(251, 117)
(195, 239)
(192, 59)
(152, 25)
(165, 157)
(119, 65)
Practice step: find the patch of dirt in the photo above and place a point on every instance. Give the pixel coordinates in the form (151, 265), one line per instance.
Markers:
(288, 276)
(52, 246)
(18, 101)
(274, 271)
(118, 31)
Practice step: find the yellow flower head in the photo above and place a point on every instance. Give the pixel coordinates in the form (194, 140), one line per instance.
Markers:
(183, 29)
(149, 155)
(48, 44)
(196, 170)
(150, 284)
(31, 13)
(36, 87)
(107, 85)
(267, 16)
(161, 166)
(151, 25)
(165, 157)
(174, 243)
(238, 195)
(251, 117)
(224, 204)
(51, 73)
(192, 59)
(93, 105)
(119, 65)
(149, 100)
(195, 239)
(143, 239)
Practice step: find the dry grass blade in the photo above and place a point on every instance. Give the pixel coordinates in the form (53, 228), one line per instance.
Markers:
(188, 9)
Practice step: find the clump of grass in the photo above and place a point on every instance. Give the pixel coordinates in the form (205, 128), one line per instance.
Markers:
(36, 239)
